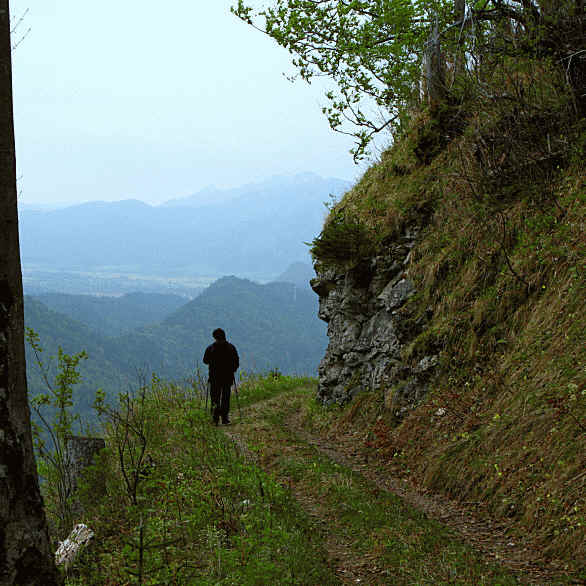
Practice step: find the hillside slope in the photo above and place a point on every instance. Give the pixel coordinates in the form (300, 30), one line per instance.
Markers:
(273, 325)
(451, 277)
(102, 369)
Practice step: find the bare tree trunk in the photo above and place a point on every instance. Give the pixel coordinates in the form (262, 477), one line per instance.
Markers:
(459, 16)
(25, 557)
(433, 68)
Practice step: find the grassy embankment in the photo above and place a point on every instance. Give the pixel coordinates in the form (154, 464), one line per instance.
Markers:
(498, 187)
(208, 513)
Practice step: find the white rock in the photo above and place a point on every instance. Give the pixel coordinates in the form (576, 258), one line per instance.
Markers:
(68, 549)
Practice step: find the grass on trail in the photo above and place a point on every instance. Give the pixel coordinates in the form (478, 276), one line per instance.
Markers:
(373, 537)
(204, 514)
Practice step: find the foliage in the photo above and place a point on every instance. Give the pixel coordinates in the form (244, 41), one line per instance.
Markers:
(128, 427)
(372, 51)
(375, 52)
(53, 424)
(343, 239)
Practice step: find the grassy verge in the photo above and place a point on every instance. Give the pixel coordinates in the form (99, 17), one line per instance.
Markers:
(203, 514)
(253, 388)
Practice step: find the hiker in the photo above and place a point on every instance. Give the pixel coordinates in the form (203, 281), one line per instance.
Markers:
(222, 359)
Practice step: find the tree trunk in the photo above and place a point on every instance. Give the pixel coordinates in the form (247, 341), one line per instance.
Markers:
(433, 68)
(459, 16)
(25, 557)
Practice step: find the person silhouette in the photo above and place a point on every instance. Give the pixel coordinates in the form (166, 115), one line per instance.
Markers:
(223, 361)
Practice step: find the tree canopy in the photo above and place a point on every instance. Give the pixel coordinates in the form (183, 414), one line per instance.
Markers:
(375, 50)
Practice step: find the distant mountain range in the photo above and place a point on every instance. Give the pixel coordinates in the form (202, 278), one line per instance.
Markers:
(254, 230)
(273, 326)
(210, 195)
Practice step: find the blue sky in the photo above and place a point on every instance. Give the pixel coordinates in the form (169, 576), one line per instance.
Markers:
(155, 100)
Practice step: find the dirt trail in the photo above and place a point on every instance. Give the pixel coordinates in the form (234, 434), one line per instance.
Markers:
(484, 536)
(349, 567)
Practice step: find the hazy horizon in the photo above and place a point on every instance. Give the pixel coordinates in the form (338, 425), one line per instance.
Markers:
(211, 189)
(122, 101)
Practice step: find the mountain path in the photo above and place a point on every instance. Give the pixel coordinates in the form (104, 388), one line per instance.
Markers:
(349, 566)
(488, 538)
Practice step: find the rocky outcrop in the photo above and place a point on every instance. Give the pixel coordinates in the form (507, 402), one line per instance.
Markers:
(367, 329)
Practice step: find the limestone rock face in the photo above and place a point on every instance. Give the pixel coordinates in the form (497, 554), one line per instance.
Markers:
(366, 330)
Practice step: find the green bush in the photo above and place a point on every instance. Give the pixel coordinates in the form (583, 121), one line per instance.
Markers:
(344, 239)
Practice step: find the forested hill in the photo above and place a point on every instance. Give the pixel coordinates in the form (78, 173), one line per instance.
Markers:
(112, 316)
(273, 326)
(58, 330)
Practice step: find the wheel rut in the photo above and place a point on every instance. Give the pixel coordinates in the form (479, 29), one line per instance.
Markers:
(486, 537)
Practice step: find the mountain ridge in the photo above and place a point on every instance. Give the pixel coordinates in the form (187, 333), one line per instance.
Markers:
(256, 234)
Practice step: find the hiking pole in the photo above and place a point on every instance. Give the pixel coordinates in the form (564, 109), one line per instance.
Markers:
(207, 393)
(237, 399)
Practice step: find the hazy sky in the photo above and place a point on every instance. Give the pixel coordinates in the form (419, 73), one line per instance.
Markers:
(155, 100)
